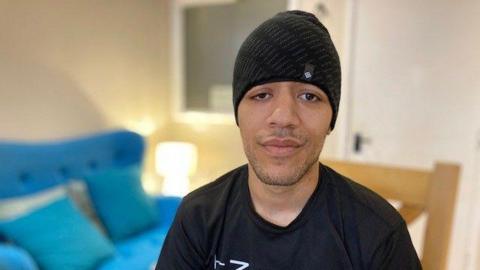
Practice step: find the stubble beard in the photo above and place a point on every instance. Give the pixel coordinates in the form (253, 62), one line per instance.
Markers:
(270, 178)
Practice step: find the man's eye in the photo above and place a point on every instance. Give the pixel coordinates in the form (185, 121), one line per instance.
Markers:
(309, 97)
(261, 96)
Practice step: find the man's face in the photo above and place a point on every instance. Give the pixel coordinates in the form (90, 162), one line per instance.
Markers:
(283, 127)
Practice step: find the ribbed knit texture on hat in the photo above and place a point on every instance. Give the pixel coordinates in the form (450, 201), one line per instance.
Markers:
(291, 46)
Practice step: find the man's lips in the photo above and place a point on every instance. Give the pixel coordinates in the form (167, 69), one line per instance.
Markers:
(281, 147)
(282, 143)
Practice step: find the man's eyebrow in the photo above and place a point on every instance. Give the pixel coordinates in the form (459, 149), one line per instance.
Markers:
(312, 88)
(260, 87)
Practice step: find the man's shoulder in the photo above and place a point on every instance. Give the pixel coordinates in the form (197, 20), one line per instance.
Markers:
(214, 196)
(369, 224)
(218, 186)
(366, 203)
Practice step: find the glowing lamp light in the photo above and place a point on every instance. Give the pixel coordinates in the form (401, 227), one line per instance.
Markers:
(175, 161)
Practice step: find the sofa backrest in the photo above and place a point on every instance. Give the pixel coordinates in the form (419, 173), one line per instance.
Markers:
(29, 167)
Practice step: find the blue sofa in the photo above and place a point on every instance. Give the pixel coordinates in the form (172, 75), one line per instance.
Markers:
(29, 168)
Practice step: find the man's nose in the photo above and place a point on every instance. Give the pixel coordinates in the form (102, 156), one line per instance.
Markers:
(284, 112)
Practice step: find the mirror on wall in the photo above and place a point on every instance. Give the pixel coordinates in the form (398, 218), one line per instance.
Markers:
(207, 37)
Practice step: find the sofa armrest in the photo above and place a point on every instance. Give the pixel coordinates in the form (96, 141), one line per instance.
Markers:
(15, 258)
(167, 208)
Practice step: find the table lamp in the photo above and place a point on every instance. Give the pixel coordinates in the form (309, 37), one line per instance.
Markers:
(175, 161)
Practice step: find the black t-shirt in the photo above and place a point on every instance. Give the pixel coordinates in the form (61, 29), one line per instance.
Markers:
(342, 226)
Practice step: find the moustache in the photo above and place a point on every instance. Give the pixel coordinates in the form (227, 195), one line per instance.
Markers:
(283, 133)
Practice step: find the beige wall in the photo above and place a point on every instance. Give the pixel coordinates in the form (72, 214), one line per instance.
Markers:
(72, 67)
(75, 67)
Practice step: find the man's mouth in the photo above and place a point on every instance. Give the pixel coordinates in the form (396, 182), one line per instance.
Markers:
(281, 147)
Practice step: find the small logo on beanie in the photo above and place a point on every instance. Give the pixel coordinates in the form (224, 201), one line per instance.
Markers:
(308, 72)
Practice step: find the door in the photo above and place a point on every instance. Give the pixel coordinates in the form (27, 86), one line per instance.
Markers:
(414, 94)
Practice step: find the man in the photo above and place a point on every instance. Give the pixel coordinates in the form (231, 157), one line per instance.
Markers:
(284, 210)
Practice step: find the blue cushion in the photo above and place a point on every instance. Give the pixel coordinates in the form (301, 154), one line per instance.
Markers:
(167, 207)
(120, 201)
(14, 258)
(140, 252)
(58, 236)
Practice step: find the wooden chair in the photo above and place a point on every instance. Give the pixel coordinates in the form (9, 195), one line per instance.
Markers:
(431, 191)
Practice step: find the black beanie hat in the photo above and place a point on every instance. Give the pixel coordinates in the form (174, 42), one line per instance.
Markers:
(291, 46)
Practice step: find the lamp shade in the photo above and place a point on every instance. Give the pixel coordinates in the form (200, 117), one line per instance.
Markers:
(175, 161)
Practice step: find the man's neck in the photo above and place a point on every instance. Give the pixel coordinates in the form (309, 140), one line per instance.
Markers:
(280, 205)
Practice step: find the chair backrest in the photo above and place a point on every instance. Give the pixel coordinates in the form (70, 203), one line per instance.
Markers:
(431, 191)
(27, 167)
